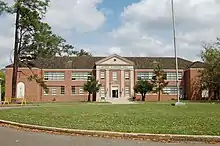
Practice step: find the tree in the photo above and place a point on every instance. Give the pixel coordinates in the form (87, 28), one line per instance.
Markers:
(142, 87)
(158, 80)
(2, 76)
(82, 52)
(33, 37)
(210, 74)
(92, 86)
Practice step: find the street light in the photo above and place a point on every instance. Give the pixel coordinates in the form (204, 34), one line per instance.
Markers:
(176, 59)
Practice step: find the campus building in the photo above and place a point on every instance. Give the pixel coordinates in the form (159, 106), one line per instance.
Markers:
(65, 77)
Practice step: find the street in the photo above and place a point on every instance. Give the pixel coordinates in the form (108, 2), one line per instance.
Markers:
(14, 137)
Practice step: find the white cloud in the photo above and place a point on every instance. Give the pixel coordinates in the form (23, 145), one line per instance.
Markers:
(81, 15)
(64, 16)
(147, 27)
(115, 50)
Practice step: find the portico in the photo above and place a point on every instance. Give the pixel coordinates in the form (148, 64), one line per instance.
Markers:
(116, 74)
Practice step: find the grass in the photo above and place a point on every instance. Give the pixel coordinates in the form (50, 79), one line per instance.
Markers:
(198, 119)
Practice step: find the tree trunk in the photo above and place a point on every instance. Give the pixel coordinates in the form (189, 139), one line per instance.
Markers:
(16, 59)
(89, 98)
(93, 97)
(158, 96)
(143, 97)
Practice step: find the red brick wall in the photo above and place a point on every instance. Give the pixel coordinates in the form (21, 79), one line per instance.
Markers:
(33, 92)
(32, 89)
(193, 88)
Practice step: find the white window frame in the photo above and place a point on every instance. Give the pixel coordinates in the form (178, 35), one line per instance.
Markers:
(102, 75)
(80, 76)
(145, 75)
(170, 90)
(127, 77)
(73, 87)
(114, 76)
(81, 91)
(54, 91)
(45, 93)
(127, 91)
(102, 92)
(171, 76)
(54, 76)
(62, 92)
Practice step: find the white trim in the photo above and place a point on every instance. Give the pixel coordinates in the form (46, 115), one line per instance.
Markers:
(117, 56)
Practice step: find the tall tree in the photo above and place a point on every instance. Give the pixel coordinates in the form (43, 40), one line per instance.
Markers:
(92, 86)
(142, 87)
(33, 37)
(82, 52)
(210, 74)
(2, 76)
(159, 80)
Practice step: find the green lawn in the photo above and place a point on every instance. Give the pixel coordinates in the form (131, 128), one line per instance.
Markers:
(143, 118)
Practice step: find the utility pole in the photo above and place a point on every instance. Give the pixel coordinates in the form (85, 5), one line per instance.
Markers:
(176, 59)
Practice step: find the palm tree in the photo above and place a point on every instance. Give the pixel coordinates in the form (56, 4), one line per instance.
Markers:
(92, 86)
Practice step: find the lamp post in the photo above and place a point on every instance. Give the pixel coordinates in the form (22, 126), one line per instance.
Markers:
(176, 59)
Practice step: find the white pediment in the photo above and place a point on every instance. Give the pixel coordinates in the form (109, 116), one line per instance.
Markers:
(114, 59)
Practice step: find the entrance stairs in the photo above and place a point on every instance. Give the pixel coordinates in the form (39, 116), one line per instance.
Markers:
(121, 100)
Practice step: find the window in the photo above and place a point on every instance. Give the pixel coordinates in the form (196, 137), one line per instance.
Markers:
(114, 76)
(171, 76)
(145, 75)
(45, 92)
(81, 91)
(102, 90)
(170, 90)
(127, 92)
(180, 75)
(73, 90)
(81, 75)
(54, 76)
(54, 90)
(62, 90)
(102, 75)
(127, 75)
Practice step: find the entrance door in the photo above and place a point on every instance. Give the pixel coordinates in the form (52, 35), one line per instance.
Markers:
(20, 90)
(114, 93)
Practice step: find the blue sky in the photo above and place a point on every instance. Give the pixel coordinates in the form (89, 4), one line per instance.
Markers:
(126, 27)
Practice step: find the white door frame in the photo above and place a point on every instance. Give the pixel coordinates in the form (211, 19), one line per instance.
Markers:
(20, 90)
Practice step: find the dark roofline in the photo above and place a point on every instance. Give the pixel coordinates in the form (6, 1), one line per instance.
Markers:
(88, 62)
(196, 64)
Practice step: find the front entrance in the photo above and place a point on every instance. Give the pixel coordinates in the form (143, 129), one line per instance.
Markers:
(114, 93)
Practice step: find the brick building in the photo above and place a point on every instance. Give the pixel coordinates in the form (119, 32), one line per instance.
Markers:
(65, 77)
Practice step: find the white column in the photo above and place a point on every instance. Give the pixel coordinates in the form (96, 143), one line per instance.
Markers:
(122, 83)
(98, 79)
(132, 82)
(107, 83)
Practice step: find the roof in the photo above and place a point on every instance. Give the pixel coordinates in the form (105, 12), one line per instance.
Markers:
(196, 64)
(87, 62)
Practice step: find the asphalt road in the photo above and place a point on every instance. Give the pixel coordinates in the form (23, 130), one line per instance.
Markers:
(14, 137)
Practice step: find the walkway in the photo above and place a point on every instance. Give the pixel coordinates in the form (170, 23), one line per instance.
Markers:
(13, 137)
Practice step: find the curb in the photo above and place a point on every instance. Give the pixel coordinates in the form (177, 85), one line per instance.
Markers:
(136, 136)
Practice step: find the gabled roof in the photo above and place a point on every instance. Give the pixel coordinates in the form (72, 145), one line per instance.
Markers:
(86, 62)
(114, 56)
(196, 64)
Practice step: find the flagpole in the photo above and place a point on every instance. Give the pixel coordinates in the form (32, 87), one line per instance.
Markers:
(175, 50)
